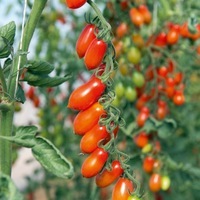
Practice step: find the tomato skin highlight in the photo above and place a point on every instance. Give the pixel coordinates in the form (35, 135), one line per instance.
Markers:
(86, 119)
(87, 94)
(94, 163)
(89, 142)
(73, 4)
(122, 189)
(85, 38)
(107, 177)
(95, 54)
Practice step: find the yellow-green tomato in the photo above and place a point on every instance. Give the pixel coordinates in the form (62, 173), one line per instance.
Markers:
(133, 197)
(165, 183)
(116, 101)
(119, 90)
(138, 79)
(134, 55)
(130, 94)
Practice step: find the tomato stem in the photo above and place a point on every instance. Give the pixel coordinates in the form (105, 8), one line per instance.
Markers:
(99, 14)
(6, 115)
(3, 82)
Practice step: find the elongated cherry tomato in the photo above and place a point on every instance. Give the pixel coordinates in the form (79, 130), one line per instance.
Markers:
(86, 37)
(107, 177)
(86, 119)
(90, 140)
(141, 118)
(136, 17)
(172, 37)
(148, 164)
(155, 182)
(143, 9)
(87, 94)
(73, 4)
(95, 54)
(122, 189)
(161, 39)
(94, 163)
(141, 139)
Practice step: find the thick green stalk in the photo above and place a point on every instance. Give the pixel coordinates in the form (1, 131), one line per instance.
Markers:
(6, 116)
(5, 147)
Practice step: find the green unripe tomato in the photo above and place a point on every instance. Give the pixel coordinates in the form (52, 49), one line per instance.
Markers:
(133, 198)
(116, 101)
(119, 90)
(130, 94)
(134, 55)
(138, 79)
(165, 183)
(147, 148)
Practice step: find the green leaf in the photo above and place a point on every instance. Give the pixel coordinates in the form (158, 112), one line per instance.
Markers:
(20, 95)
(8, 190)
(52, 159)
(45, 81)
(7, 35)
(39, 67)
(43, 150)
(30, 77)
(167, 128)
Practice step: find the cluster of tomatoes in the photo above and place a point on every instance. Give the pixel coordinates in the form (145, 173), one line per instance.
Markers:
(152, 165)
(96, 139)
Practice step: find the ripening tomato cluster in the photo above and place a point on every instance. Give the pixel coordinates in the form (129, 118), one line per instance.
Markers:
(173, 33)
(85, 99)
(152, 165)
(140, 15)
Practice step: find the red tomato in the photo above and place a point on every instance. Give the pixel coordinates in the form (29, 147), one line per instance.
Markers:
(122, 30)
(179, 98)
(107, 177)
(31, 92)
(94, 163)
(141, 139)
(95, 54)
(161, 39)
(170, 82)
(86, 119)
(162, 71)
(143, 9)
(170, 90)
(73, 4)
(91, 139)
(86, 37)
(172, 37)
(136, 17)
(155, 182)
(122, 189)
(87, 94)
(36, 101)
(178, 77)
(161, 112)
(141, 118)
(148, 164)
(149, 74)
